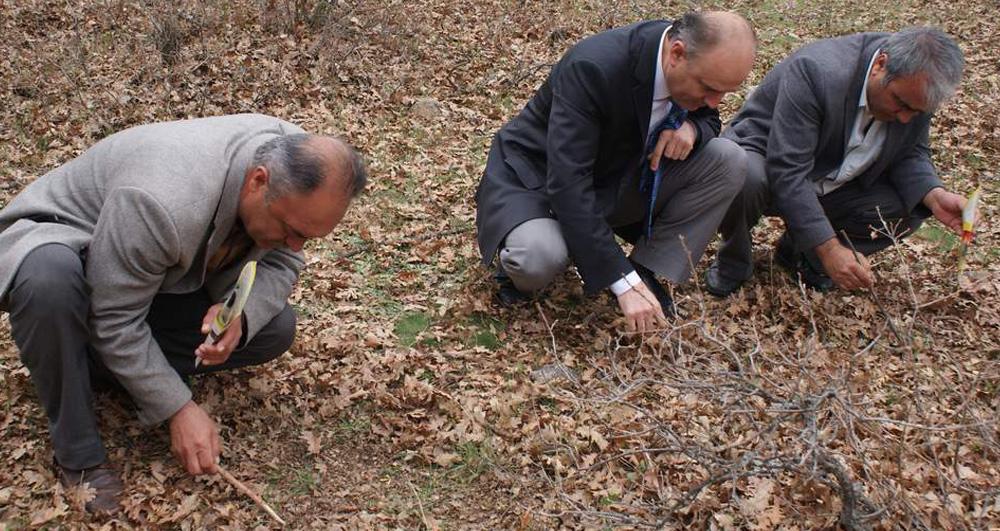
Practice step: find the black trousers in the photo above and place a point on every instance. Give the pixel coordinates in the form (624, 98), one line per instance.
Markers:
(850, 208)
(48, 303)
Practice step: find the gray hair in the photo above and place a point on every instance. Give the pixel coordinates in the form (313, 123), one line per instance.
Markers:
(925, 50)
(700, 33)
(294, 168)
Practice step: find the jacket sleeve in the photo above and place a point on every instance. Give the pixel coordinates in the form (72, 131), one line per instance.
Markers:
(572, 146)
(914, 176)
(135, 241)
(791, 148)
(707, 123)
(277, 272)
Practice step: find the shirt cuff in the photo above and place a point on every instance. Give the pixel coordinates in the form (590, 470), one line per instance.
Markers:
(625, 283)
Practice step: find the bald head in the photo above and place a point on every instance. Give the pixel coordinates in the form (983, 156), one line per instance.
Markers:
(703, 32)
(709, 55)
(301, 163)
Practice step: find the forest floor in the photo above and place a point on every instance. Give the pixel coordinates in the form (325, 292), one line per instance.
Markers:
(410, 400)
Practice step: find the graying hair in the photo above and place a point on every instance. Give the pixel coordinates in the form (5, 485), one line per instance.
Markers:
(295, 169)
(698, 33)
(925, 50)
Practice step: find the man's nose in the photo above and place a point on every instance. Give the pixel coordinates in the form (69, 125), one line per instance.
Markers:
(294, 243)
(904, 117)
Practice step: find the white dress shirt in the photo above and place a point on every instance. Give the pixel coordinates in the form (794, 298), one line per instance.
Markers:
(863, 146)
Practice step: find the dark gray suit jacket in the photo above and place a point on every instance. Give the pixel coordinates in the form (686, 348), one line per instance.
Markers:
(800, 119)
(574, 144)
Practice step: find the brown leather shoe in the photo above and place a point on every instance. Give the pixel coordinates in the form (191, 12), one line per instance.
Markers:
(104, 481)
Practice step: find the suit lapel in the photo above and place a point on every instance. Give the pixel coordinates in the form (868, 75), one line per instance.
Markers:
(643, 56)
(851, 111)
(227, 212)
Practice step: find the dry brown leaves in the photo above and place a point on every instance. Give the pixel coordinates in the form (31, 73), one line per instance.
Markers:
(410, 401)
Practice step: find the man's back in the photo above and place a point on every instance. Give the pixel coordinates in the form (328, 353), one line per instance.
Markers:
(183, 170)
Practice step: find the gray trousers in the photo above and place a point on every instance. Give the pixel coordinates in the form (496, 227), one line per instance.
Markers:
(693, 198)
(850, 208)
(48, 303)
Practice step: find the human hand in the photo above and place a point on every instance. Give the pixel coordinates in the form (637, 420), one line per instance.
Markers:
(947, 208)
(642, 311)
(675, 144)
(194, 439)
(218, 352)
(848, 269)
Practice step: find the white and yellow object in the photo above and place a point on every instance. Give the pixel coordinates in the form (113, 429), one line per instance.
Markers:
(232, 308)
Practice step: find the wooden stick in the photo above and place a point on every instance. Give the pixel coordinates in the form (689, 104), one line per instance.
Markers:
(251, 494)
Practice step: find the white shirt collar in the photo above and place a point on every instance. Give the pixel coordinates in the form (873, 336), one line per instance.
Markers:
(660, 90)
(863, 101)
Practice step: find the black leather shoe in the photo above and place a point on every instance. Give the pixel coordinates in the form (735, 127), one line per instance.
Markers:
(719, 285)
(507, 293)
(799, 267)
(102, 479)
(649, 278)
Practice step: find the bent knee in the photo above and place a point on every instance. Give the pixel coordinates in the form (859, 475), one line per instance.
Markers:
(50, 279)
(731, 162)
(534, 263)
(274, 339)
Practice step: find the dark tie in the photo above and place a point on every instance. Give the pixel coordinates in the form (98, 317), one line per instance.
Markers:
(649, 181)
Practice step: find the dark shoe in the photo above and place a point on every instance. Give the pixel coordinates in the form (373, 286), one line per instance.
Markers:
(103, 479)
(649, 278)
(718, 284)
(507, 293)
(801, 268)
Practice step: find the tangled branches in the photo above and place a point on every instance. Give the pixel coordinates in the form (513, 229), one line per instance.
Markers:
(747, 424)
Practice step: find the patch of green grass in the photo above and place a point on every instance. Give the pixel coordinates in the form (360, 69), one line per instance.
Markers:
(304, 481)
(486, 329)
(943, 240)
(410, 325)
(476, 459)
(426, 376)
(608, 500)
(351, 427)
(548, 404)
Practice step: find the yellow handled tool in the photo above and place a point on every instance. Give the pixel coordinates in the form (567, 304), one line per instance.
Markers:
(232, 308)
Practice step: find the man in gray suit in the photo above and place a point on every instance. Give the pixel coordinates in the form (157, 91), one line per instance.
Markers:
(837, 141)
(111, 265)
(621, 140)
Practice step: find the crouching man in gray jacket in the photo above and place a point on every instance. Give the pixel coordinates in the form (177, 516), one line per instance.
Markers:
(837, 140)
(112, 264)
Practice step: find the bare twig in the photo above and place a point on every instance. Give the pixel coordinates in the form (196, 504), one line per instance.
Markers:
(874, 294)
(250, 494)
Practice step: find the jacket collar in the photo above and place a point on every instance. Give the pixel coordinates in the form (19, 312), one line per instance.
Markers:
(853, 94)
(227, 212)
(643, 48)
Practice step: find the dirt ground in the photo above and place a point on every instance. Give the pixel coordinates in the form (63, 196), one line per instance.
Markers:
(410, 400)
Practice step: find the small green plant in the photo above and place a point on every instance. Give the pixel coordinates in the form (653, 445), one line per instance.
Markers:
(304, 481)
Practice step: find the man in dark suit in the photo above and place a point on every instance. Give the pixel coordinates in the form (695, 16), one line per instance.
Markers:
(607, 147)
(837, 144)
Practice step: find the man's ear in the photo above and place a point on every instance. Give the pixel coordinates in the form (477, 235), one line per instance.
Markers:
(258, 179)
(878, 67)
(676, 53)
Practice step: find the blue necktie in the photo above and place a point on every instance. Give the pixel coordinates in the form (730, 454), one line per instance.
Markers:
(649, 182)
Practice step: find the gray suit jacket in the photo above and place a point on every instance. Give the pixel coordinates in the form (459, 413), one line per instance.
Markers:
(800, 119)
(147, 207)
